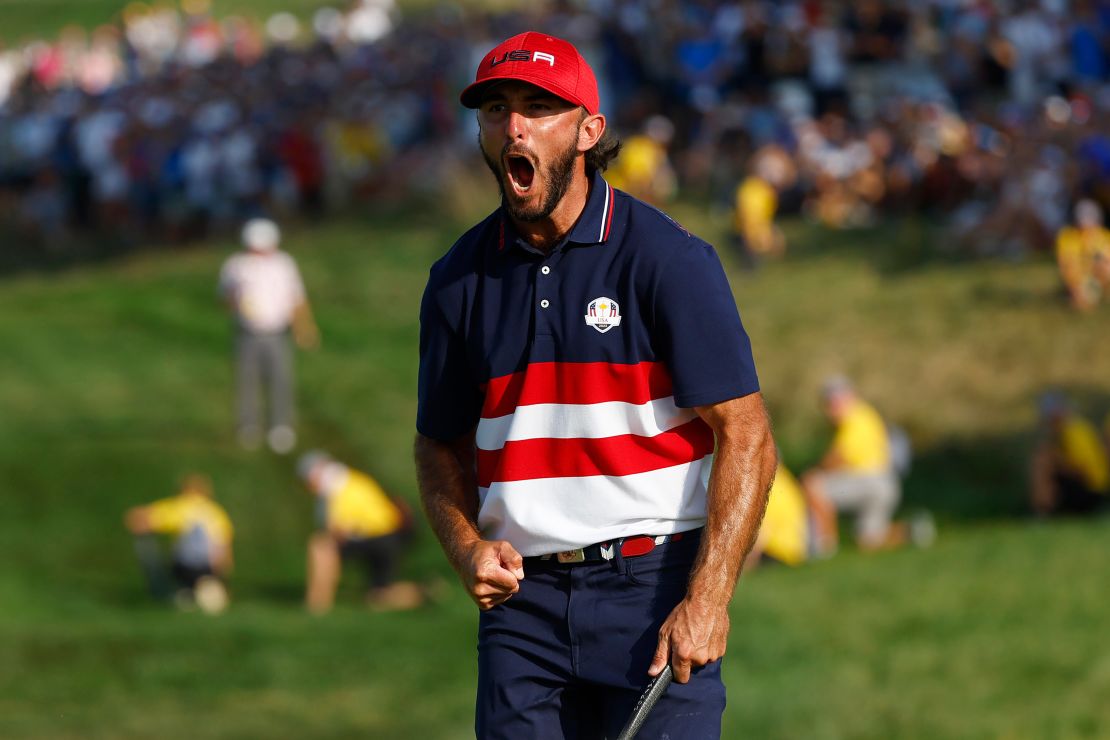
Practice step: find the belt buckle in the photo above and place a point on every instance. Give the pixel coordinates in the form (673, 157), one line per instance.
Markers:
(571, 556)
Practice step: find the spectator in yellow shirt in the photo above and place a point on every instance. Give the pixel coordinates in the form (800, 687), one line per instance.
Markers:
(755, 235)
(1083, 256)
(855, 475)
(784, 536)
(1070, 470)
(356, 520)
(201, 550)
(644, 169)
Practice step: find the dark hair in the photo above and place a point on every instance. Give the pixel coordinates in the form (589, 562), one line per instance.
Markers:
(603, 152)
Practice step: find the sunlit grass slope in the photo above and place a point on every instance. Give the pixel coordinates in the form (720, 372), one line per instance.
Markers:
(115, 379)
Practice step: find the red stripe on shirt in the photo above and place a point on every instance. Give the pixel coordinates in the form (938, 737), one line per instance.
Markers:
(576, 382)
(626, 454)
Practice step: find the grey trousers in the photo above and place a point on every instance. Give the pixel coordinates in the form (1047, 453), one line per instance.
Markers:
(263, 360)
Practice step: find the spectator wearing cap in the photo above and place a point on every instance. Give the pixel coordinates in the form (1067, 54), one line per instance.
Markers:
(855, 475)
(1070, 471)
(266, 296)
(356, 521)
(1083, 256)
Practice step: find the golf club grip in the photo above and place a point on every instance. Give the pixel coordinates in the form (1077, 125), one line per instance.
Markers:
(647, 702)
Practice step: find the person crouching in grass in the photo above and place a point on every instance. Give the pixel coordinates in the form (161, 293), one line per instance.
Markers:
(1070, 470)
(357, 521)
(201, 553)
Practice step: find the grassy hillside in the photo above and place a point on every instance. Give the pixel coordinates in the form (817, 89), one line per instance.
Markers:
(115, 379)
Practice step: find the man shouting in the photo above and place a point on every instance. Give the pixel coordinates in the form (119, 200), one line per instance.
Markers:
(581, 356)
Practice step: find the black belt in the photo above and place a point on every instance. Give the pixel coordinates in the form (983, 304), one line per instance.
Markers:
(628, 547)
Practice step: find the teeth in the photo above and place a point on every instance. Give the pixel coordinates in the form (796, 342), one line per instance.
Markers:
(512, 178)
(510, 172)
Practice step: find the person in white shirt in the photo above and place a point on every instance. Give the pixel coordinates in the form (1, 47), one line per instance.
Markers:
(264, 292)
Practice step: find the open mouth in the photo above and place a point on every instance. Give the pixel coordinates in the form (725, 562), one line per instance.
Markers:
(521, 172)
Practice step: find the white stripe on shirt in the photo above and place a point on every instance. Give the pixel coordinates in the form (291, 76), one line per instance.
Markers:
(582, 421)
(549, 515)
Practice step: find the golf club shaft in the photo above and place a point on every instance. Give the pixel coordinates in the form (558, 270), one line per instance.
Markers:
(647, 702)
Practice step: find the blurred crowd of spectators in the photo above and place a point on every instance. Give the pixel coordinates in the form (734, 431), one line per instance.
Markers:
(171, 122)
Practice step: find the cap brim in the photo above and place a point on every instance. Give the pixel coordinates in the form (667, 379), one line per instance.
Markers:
(471, 97)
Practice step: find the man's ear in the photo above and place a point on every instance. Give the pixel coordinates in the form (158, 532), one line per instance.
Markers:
(590, 132)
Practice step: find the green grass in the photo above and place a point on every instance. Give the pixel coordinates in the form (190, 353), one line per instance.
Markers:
(115, 379)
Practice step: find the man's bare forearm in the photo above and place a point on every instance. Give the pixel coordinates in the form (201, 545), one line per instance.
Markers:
(448, 492)
(743, 471)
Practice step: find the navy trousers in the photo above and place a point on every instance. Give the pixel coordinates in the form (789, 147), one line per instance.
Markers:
(567, 656)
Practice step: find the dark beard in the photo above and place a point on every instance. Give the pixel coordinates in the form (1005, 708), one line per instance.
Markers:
(558, 175)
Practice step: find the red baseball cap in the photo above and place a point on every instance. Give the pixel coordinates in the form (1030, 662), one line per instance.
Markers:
(539, 59)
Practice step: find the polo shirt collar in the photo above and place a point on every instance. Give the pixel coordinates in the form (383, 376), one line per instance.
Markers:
(592, 227)
(596, 220)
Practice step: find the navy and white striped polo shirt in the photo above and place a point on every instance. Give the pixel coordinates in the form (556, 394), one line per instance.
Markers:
(580, 369)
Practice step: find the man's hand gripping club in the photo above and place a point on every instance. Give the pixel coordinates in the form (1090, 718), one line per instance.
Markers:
(696, 631)
(693, 635)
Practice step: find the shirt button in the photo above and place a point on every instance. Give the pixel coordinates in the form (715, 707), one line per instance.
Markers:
(545, 303)
(545, 270)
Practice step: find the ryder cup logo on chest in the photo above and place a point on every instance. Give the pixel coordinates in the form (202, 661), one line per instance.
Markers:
(603, 314)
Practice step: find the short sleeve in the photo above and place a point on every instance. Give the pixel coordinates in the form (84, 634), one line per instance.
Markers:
(698, 332)
(166, 516)
(846, 440)
(296, 283)
(449, 401)
(229, 277)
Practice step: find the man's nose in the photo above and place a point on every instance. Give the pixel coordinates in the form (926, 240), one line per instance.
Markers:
(516, 126)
